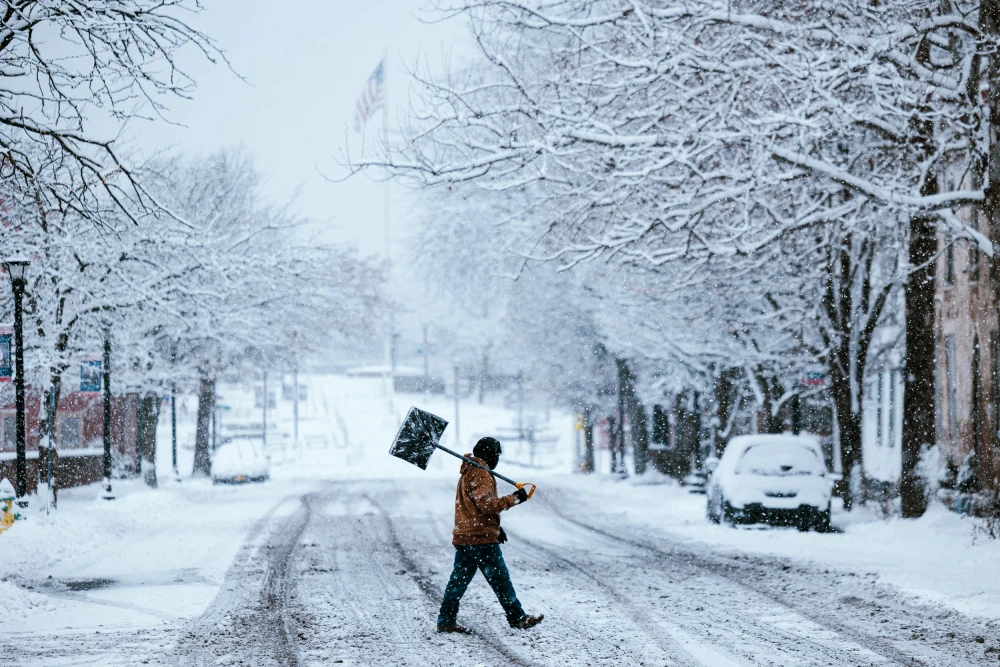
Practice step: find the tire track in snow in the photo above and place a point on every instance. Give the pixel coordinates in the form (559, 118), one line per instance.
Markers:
(680, 656)
(729, 570)
(780, 646)
(353, 603)
(248, 617)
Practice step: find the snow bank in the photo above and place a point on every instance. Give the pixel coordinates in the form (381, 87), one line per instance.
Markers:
(18, 601)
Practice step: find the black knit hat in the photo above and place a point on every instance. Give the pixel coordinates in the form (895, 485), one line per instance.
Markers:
(488, 449)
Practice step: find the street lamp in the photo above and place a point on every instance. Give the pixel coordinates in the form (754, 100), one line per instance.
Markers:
(107, 493)
(16, 268)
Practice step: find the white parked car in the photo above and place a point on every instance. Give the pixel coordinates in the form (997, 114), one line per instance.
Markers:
(240, 461)
(779, 479)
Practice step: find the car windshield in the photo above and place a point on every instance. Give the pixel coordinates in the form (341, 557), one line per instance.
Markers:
(773, 458)
(234, 452)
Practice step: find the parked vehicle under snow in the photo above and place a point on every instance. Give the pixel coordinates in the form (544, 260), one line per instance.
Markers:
(779, 479)
(240, 461)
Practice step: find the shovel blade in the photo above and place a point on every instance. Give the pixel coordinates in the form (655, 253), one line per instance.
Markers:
(417, 437)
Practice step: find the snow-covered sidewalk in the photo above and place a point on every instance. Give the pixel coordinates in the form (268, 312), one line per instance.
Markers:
(150, 559)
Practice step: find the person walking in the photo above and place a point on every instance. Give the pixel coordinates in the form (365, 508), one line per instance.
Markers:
(477, 539)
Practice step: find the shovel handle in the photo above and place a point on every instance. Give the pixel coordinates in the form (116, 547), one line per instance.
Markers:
(519, 485)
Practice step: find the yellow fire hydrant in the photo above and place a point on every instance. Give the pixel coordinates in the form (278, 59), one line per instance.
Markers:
(7, 496)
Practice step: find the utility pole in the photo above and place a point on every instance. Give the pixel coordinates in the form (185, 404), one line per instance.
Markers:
(427, 365)
(264, 432)
(458, 440)
(520, 405)
(173, 428)
(295, 404)
(107, 494)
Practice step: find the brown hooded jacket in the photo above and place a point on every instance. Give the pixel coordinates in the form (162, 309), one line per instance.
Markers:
(477, 507)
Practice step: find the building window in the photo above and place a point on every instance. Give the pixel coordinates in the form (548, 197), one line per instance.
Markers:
(949, 260)
(952, 386)
(9, 434)
(69, 433)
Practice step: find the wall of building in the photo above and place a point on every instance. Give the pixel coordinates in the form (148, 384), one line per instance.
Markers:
(968, 348)
(79, 442)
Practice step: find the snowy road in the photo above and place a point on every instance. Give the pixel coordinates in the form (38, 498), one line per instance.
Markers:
(324, 566)
(377, 555)
(351, 572)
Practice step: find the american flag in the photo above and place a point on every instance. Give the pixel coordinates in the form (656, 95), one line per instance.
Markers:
(372, 97)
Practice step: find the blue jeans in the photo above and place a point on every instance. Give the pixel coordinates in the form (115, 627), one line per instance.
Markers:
(489, 559)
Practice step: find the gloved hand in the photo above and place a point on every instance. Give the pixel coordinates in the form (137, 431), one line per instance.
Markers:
(521, 496)
(503, 536)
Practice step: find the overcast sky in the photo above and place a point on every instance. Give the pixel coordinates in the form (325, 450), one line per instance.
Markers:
(305, 63)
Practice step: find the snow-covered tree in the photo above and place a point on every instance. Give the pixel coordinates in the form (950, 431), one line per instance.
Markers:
(74, 73)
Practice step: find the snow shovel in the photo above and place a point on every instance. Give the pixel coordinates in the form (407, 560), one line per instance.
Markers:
(419, 436)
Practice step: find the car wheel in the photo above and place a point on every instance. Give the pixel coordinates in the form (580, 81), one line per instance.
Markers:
(821, 522)
(805, 520)
(728, 513)
(713, 516)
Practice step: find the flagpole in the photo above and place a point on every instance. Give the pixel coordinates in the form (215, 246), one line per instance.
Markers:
(390, 352)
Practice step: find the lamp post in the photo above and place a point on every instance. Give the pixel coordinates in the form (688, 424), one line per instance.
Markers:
(16, 268)
(107, 494)
(427, 365)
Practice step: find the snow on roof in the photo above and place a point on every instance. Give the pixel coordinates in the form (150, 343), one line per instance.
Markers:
(760, 438)
(744, 442)
(382, 370)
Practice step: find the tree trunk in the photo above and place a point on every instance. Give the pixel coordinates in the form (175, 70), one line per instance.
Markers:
(724, 386)
(636, 417)
(206, 405)
(918, 397)
(840, 309)
(849, 429)
(588, 439)
(149, 415)
(771, 390)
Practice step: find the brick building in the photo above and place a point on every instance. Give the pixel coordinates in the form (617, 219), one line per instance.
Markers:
(79, 436)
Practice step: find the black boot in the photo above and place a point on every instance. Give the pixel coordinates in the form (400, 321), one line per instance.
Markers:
(454, 627)
(528, 622)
